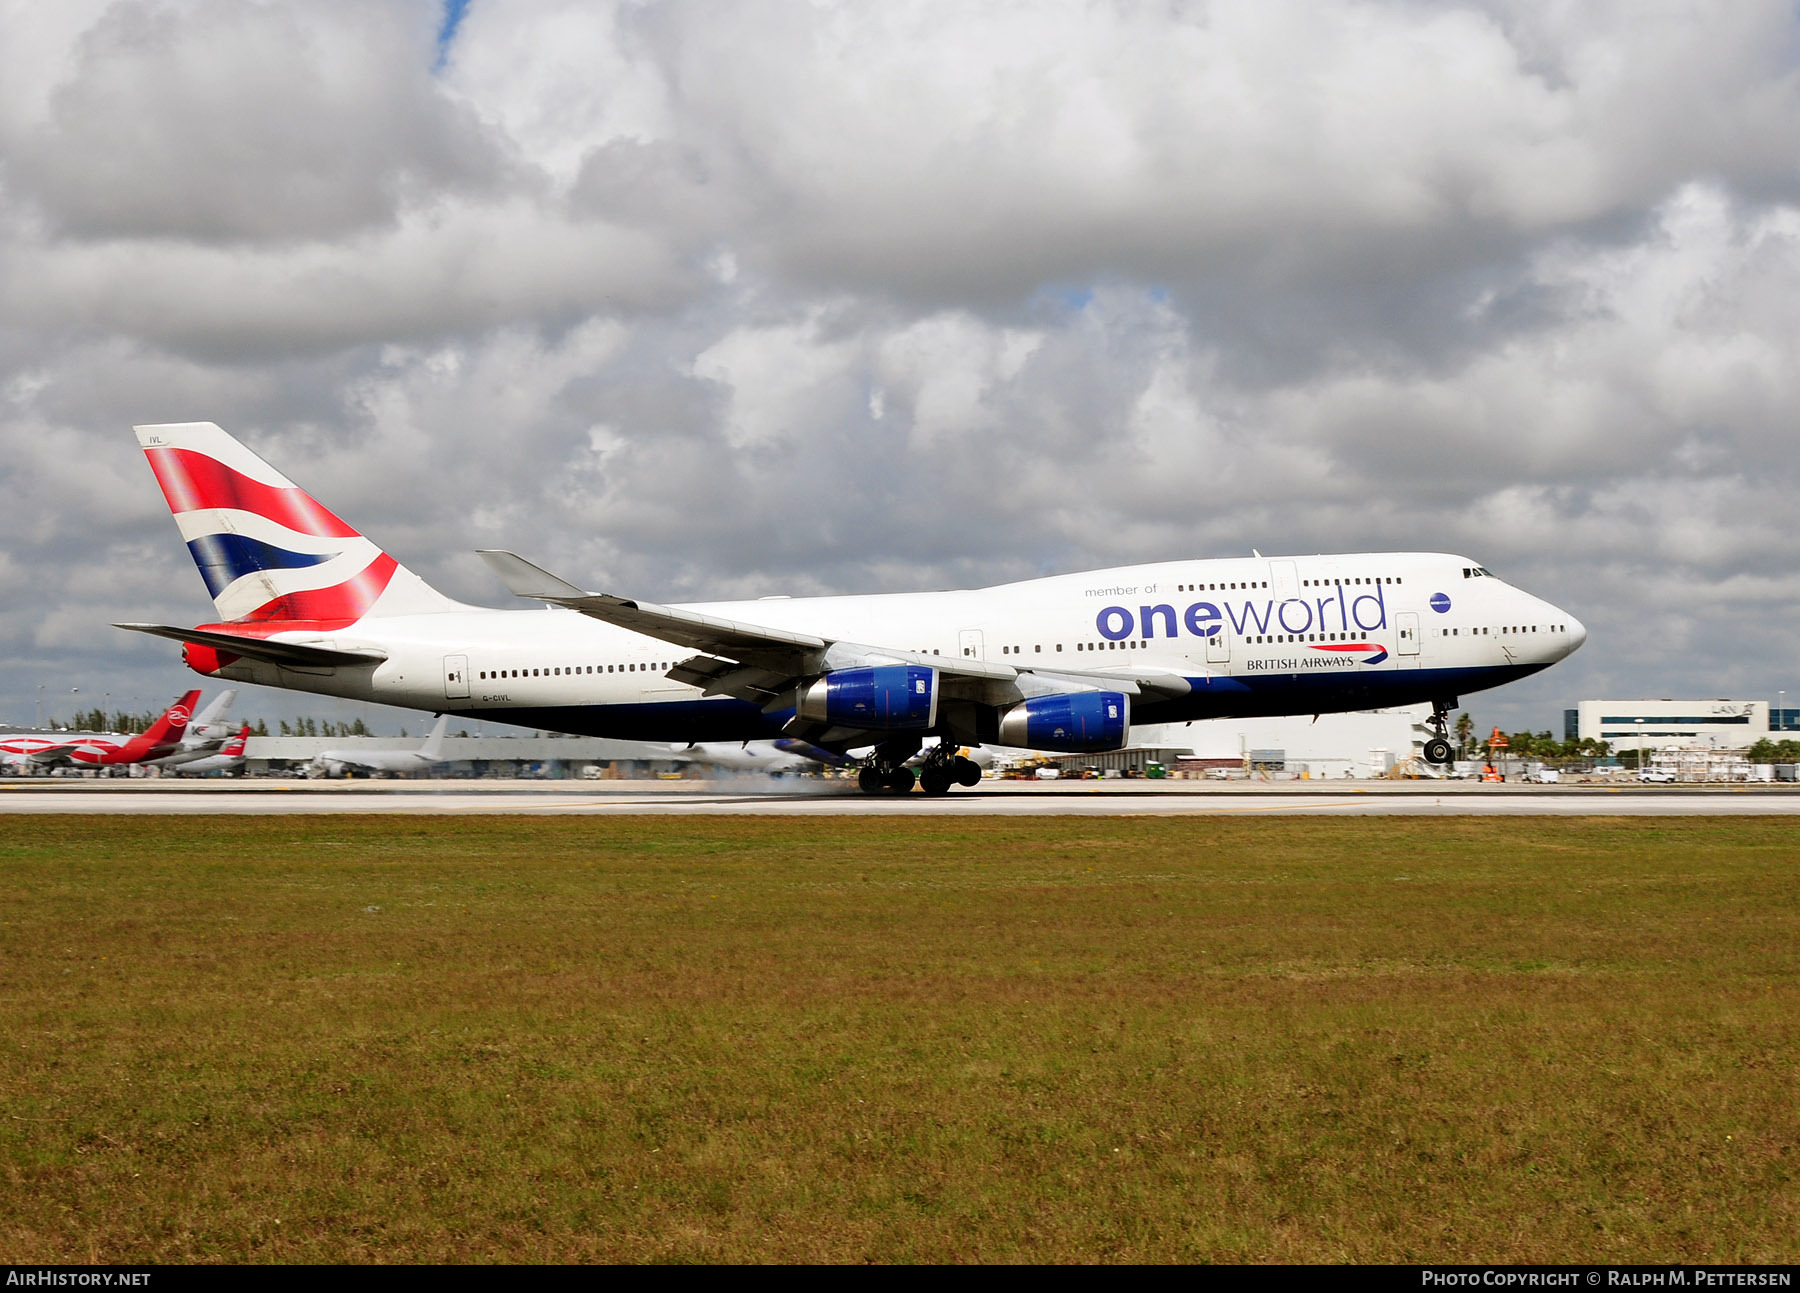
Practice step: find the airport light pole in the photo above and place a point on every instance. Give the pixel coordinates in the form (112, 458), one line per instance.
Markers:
(1640, 759)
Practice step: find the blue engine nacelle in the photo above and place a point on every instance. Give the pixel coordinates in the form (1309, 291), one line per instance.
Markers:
(1079, 722)
(885, 698)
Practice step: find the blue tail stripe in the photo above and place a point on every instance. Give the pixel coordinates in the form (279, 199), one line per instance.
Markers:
(224, 558)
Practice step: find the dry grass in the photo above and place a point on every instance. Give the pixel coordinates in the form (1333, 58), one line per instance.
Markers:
(386, 1039)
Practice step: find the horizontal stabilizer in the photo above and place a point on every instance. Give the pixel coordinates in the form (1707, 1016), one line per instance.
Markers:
(297, 654)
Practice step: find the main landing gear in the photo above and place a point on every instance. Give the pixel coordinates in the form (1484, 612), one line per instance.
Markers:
(944, 768)
(886, 768)
(941, 768)
(1437, 749)
(874, 779)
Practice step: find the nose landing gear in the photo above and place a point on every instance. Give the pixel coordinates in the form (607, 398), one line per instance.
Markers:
(1437, 749)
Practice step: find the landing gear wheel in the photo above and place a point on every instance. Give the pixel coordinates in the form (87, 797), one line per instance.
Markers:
(900, 781)
(966, 772)
(934, 780)
(869, 780)
(1437, 749)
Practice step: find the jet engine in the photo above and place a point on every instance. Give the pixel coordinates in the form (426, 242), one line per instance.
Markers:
(884, 698)
(1081, 722)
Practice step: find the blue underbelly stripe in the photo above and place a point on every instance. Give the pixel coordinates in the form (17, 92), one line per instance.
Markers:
(723, 718)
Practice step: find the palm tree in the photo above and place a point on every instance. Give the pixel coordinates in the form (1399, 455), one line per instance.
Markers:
(1465, 731)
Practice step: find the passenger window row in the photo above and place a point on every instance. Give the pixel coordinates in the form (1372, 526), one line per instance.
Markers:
(562, 671)
(1352, 582)
(1266, 638)
(1510, 628)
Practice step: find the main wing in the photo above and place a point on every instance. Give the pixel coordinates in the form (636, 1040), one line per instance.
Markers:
(764, 665)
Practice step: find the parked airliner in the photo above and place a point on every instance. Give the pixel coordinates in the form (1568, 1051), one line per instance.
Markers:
(1066, 663)
(207, 734)
(771, 757)
(348, 761)
(34, 751)
(228, 758)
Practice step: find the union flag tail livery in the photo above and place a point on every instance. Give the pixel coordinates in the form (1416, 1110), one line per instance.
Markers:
(1066, 663)
(269, 552)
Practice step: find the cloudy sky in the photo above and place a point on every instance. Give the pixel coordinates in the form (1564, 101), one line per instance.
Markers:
(693, 300)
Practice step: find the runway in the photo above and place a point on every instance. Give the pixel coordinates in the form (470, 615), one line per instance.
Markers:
(755, 796)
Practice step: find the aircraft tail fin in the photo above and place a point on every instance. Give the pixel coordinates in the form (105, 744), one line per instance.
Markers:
(433, 748)
(164, 735)
(216, 711)
(268, 551)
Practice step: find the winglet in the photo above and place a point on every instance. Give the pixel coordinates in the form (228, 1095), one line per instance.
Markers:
(523, 579)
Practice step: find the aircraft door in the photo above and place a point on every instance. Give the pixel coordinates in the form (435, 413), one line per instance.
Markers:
(1406, 644)
(968, 645)
(1218, 647)
(456, 677)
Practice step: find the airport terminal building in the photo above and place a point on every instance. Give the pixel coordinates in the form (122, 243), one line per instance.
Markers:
(1683, 724)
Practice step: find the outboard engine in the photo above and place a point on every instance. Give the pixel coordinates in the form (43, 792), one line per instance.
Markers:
(1082, 722)
(885, 698)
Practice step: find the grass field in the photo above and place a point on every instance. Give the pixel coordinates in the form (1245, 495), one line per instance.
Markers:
(404, 1039)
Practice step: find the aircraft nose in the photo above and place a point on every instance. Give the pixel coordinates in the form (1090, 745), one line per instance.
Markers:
(1576, 632)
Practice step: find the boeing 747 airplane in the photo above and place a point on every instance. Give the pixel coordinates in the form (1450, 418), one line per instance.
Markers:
(1065, 663)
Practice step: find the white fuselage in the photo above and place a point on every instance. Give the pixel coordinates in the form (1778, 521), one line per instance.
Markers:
(1252, 635)
(743, 756)
(336, 762)
(205, 763)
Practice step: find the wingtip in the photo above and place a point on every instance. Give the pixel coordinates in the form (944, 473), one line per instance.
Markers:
(526, 579)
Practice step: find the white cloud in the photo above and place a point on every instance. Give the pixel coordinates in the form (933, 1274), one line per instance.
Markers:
(700, 300)
(223, 121)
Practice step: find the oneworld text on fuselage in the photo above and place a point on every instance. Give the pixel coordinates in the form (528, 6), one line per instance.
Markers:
(1335, 612)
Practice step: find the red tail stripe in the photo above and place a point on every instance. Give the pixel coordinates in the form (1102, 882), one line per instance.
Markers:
(191, 481)
(333, 607)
